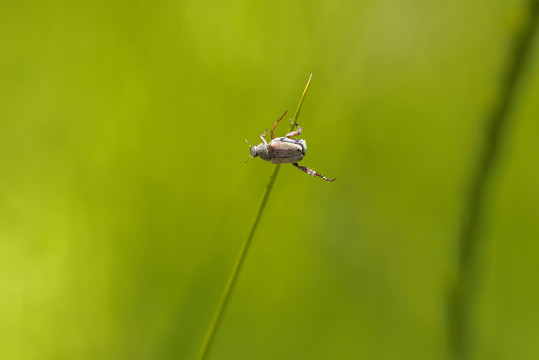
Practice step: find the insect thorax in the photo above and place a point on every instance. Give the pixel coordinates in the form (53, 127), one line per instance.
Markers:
(262, 151)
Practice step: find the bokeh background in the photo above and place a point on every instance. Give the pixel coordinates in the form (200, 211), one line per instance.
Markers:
(124, 196)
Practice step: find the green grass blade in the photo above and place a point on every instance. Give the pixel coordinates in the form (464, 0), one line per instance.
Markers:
(296, 114)
(471, 244)
(217, 317)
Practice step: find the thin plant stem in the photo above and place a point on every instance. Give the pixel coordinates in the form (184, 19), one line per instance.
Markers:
(471, 244)
(219, 312)
(296, 114)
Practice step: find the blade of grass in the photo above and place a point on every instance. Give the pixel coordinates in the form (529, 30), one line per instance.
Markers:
(217, 317)
(471, 244)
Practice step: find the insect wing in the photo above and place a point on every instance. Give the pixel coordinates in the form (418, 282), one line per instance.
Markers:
(281, 152)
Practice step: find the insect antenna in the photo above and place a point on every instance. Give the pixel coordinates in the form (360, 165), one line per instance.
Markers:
(250, 146)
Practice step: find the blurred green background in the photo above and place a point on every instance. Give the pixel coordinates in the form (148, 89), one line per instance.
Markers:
(124, 196)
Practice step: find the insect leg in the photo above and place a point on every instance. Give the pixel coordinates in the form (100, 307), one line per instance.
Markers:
(294, 133)
(275, 125)
(263, 136)
(312, 172)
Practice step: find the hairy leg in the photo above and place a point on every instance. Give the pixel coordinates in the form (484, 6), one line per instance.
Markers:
(275, 125)
(312, 172)
(294, 133)
(264, 135)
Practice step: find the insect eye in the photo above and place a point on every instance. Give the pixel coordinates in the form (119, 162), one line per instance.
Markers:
(253, 151)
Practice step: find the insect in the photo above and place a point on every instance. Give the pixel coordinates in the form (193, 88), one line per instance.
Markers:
(283, 150)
